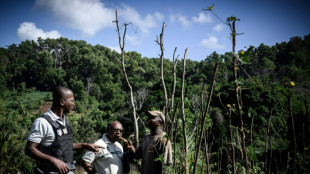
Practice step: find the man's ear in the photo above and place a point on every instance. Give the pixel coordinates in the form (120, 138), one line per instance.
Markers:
(62, 102)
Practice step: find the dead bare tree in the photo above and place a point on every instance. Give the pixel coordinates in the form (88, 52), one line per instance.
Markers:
(231, 23)
(231, 142)
(293, 132)
(140, 97)
(175, 141)
(268, 136)
(175, 62)
(307, 129)
(208, 168)
(204, 117)
(171, 127)
(58, 51)
(228, 111)
(162, 50)
(89, 84)
(121, 41)
(183, 114)
(251, 137)
(205, 133)
(270, 154)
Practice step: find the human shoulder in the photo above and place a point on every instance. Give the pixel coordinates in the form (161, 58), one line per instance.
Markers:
(147, 136)
(41, 131)
(40, 121)
(119, 145)
(100, 142)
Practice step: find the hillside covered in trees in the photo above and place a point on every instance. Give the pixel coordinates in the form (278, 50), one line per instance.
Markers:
(272, 136)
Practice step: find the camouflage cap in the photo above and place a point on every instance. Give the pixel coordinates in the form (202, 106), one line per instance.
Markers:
(156, 114)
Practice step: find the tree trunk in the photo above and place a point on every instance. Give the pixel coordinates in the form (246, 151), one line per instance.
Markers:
(122, 61)
(220, 158)
(162, 50)
(270, 154)
(175, 145)
(251, 137)
(173, 121)
(206, 153)
(239, 142)
(293, 132)
(183, 115)
(268, 137)
(238, 99)
(307, 129)
(175, 61)
(204, 117)
(231, 143)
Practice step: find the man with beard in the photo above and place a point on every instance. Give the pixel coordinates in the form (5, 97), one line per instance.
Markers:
(152, 146)
(50, 141)
(110, 159)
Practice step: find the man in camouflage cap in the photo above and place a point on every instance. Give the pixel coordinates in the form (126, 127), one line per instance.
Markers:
(153, 145)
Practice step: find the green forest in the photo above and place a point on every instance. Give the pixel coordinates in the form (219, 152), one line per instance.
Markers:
(243, 112)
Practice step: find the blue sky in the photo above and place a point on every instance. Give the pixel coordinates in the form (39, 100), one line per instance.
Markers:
(187, 25)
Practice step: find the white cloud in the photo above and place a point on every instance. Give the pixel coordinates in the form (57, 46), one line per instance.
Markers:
(129, 14)
(29, 31)
(218, 27)
(87, 16)
(115, 48)
(212, 43)
(182, 19)
(202, 18)
(136, 41)
(91, 16)
(141, 25)
(187, 23)
(159, 16)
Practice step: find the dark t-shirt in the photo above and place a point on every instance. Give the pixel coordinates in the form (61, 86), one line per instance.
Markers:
(151, 148)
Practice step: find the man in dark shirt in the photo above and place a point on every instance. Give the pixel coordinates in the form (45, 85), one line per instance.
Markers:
(152, 146)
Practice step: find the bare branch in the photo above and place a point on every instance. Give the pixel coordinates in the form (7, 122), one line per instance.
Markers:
(183, 115)
(174, 77)
(121, 41)
(205, 116)
(119, 61)
(161, 44)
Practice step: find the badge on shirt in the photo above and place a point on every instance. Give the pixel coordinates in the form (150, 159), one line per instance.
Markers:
(59, 132)
(65, 131)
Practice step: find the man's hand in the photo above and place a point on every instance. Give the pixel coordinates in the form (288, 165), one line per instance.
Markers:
(93, 147)
(31, 150)
(128, 144)
(60, 165)
(88, 167)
